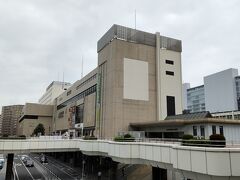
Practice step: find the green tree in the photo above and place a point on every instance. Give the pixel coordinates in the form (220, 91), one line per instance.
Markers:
(39, 129)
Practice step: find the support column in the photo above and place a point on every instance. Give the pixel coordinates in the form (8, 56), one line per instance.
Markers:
(159, 173)
(9, 172)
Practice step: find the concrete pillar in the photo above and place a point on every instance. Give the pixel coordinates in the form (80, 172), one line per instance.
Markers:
(9, 172)
(159, 174)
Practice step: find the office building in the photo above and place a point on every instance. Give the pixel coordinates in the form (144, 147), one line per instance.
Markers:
(220, 93)
(33, 115)
(138, 79)
(237, 79)
(185, 86)
(53, 91)
(0, 124)
(196, 99)
(10, 116)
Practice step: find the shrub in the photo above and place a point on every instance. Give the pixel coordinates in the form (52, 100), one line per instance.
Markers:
(187, 136)
(5, 135)
(218, 137)
(90, 138)
(218, 140)
(127, 136)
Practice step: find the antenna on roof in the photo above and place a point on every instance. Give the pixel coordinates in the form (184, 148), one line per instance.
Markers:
(63, 81)
(135, 18)
(82, 69)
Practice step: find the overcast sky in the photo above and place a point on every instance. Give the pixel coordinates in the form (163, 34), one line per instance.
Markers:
(41, 39)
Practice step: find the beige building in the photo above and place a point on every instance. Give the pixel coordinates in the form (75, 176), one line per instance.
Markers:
(34, 114)
(76, 106)
(53, 91)
(10, 116)
(138, 79)
(0, 124)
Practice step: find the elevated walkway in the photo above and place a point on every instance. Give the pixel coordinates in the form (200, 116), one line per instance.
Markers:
(193, 161)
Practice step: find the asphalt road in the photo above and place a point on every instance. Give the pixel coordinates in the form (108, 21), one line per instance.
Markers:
(57, 168)
(22, 172)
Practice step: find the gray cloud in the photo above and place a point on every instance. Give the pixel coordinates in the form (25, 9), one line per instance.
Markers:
(42, 38)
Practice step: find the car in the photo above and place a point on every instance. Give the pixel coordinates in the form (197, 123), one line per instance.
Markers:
(23, 157)
(28, 162)
(43, 159)
(1, 163)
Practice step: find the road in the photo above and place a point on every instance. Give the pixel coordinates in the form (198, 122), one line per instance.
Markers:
(26, 173)
(60, 170)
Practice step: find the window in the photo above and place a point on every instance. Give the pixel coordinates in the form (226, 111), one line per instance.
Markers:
(221, 130)
(194, 130)
(61, 114)
(202, 131)
(170, 73)
(170, 105)
(69, 92)
(169, 62)
(213, 129)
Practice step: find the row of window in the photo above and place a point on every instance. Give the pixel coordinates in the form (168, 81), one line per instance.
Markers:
(77, 97)
(170, 73)
(202, 130)
(87, 81)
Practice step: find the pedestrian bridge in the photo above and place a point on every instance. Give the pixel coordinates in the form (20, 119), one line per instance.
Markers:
(199, 162)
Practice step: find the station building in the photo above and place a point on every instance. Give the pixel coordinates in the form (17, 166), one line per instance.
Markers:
(138, 79)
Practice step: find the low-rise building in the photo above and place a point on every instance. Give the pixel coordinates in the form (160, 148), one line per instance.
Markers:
(200, 125)
(34, 114)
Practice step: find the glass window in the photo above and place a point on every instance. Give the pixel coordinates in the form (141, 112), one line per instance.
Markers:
(202, 129)
(170, 73)
(213, 129)
(169, 62)
(194, 130)
(221, 130)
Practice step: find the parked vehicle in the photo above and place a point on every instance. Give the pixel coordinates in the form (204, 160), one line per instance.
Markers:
(1, 163)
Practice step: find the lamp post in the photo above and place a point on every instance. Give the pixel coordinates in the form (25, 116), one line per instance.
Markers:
(83, 163)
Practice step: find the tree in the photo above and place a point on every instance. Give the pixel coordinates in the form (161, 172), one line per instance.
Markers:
(39, 129)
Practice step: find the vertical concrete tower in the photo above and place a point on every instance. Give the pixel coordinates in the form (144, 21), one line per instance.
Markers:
(139, 79)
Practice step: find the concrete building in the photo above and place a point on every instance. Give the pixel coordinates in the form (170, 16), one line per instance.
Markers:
(196, 99)
(200, 124)
(34, 114)
(53, 91)
(77, 106)
(185, 86)
(227, 115)
(138, 79)
(0, 124)
(220, 91)
(10, 116)
(237, 79)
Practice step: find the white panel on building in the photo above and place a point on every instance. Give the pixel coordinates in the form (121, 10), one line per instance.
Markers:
(135, 80)
(220, 91)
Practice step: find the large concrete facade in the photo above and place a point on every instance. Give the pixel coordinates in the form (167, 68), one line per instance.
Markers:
(135, 79)
(33, 115)
(138, 79)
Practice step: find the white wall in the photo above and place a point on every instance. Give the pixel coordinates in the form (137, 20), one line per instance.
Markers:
(220, 91)
(136, 83)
